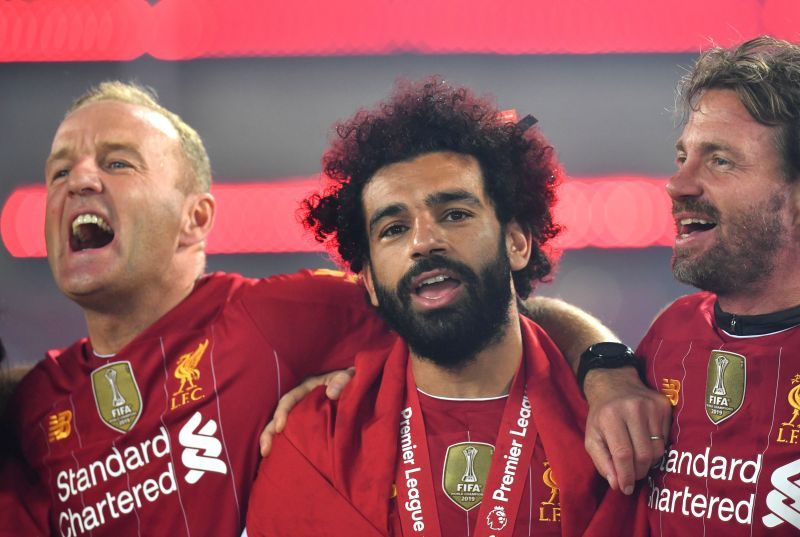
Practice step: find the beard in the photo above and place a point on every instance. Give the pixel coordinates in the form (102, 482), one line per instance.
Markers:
(745, 255)
(452, 336)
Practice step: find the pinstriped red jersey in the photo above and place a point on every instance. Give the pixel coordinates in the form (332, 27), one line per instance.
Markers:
(455, 425)
(162, 438)
(733, 462)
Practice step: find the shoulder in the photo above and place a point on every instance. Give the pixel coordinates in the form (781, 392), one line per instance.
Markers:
(321, 285)
(57, 367)
(533, 334)
(31, 398)
(687, 314)
(687, 308)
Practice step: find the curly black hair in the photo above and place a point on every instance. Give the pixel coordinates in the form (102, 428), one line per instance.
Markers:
(518, 165)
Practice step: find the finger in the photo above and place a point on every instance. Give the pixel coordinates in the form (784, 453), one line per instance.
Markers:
(337, 381)
(659, 422)
(647, 445)
(287, 403)
(666, 420)
(601, 458)
(622, 457)
(265, 439)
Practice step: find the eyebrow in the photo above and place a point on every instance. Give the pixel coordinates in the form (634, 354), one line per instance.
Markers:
(106, 147)
(448, 196)
(432, 200)
(58, 155)
(709, 147)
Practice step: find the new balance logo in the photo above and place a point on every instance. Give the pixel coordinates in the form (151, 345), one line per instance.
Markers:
(784, 501)
(202, 448)
(59, 425)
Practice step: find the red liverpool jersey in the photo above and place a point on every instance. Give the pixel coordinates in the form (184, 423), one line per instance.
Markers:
(334, 471)
(733, 461)
(162, 438)
(465, 430)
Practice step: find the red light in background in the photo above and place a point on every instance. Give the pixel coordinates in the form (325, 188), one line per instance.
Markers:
(97, 30)
(22, 222)
(610, 212)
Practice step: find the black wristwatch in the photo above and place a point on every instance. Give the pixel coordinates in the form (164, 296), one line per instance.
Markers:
(606, 355)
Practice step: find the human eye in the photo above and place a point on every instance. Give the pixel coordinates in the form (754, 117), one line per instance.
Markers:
(456, 215)
(720, 161)
(392, 230)
(117, 164)
(55, 172)
(59, 174)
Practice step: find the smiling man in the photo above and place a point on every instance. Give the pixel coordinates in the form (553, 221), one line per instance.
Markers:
(472, 423)
(727, 357)
(149, 426)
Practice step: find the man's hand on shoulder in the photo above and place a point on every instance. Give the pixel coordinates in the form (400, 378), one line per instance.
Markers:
(627, 425)
(335, 382)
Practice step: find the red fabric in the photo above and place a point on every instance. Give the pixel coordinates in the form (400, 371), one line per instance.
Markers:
(198, 446)
(346, 452)
(677, 348)
(23, 504)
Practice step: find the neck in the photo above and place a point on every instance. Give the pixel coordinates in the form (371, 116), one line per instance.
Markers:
(766, 298)
(111, 329)
(489, 374)
(778, 290)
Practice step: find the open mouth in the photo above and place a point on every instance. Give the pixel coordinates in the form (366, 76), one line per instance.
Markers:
(687, 226)
(436, 286)
(89, 231)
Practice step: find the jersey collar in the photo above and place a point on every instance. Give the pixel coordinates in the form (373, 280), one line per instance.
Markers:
(756, 325)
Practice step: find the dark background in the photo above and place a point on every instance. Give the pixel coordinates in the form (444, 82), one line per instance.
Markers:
(270, 118)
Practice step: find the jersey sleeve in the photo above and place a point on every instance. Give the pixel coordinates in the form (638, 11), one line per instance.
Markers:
(315, 320)
(23, 501)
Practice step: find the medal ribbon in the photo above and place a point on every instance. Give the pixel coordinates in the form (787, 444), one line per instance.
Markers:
(416, 497)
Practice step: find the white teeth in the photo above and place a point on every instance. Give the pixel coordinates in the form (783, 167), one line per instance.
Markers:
(89, 219)
(688, 221)
(435, 279)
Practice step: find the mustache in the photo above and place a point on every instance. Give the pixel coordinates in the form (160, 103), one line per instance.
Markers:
(695, 206)
(462, 271)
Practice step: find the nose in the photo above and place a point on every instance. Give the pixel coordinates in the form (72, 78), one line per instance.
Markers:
(84, 178)
(685, 182)
(427, 238)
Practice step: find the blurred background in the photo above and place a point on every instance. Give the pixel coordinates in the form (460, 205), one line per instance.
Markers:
(263, 82)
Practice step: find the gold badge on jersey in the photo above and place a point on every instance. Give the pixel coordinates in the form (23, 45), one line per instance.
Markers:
(672, 389)
(59, 425)
(550, 509)
(466, 467)
(117, 395)
(187, 373)
(789, 431)
(726, 381)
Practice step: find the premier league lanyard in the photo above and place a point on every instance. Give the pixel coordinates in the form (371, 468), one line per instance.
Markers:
(416, 497)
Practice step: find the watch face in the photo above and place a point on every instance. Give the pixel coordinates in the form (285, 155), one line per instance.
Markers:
(609, 348)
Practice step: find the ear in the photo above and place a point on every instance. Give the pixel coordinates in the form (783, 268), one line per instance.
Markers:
(366, 273)
(199, 210)
(518, 245)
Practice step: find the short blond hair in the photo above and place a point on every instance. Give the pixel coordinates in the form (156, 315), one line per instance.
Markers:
(191, 144)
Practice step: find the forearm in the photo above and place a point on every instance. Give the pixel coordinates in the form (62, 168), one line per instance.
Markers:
(571, 328)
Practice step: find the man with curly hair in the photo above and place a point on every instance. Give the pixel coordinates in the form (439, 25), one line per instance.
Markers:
(472, 420)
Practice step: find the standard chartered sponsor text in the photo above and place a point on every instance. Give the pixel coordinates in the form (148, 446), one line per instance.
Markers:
(113, 505)
(699, 503)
